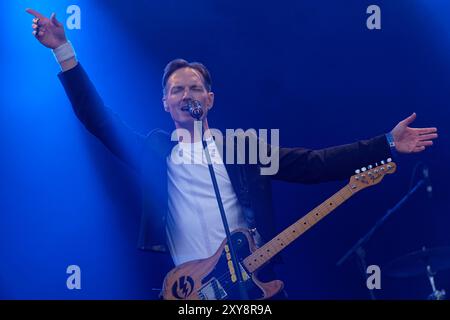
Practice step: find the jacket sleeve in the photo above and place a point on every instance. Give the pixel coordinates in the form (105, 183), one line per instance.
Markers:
(334, 163)
(99, 120)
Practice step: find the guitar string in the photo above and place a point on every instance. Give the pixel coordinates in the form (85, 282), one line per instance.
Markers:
(345, 193)
(227, 274)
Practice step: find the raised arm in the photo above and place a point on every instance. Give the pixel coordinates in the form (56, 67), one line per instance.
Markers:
(87, 104)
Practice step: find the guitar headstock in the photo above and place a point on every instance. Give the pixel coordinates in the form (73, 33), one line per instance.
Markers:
(366, 177)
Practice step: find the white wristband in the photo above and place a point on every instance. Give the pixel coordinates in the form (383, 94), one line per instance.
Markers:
(64, 52)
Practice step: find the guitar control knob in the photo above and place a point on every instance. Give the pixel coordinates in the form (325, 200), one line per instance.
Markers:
(363, 169)
(357, 171)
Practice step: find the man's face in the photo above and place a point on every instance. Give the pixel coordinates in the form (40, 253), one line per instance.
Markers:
(183, 85)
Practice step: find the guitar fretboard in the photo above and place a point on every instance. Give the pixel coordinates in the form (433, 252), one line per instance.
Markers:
(260, 256)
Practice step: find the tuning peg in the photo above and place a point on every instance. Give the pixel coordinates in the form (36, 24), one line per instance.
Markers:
(363, 169)
(389, 160)
(357, 171)
(369, 167)
(382, 161)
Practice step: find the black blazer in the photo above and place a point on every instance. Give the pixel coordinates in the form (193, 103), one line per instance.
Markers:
(147, 155)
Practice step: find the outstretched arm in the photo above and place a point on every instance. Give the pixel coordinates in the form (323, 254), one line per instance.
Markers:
(87, 104)
(337, 163)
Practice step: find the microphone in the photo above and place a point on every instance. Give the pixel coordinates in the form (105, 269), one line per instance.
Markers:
(194, 108)
(426, 176)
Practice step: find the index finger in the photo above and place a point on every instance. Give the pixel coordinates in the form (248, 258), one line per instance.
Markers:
(34, 13)
(426, 130)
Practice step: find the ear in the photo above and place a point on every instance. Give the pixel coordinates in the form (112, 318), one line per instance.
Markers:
(166, 108)
(210, 100)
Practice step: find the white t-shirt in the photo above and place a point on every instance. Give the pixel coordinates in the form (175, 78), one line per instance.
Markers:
(194, 226)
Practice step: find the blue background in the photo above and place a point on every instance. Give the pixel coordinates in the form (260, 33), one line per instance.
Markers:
(310, 68)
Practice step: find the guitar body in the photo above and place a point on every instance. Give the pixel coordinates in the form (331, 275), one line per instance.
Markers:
(214, 278)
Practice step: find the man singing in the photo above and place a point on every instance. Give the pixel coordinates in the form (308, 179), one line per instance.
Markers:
(180, 211)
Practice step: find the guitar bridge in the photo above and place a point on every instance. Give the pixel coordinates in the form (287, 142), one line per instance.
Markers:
(212, 290)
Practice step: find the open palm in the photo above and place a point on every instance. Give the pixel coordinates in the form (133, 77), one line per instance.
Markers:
(408, 140)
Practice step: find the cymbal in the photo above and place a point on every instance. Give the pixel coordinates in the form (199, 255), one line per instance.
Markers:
(415, 263)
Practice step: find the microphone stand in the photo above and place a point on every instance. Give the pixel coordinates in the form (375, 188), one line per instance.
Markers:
(358, 247)
(242, 290)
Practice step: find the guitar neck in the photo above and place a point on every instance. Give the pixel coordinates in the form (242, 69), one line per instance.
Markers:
(262, 255)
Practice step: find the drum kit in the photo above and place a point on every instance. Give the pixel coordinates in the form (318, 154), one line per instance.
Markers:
(425, 262)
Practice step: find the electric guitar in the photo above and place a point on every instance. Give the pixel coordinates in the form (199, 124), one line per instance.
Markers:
(215, 278)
